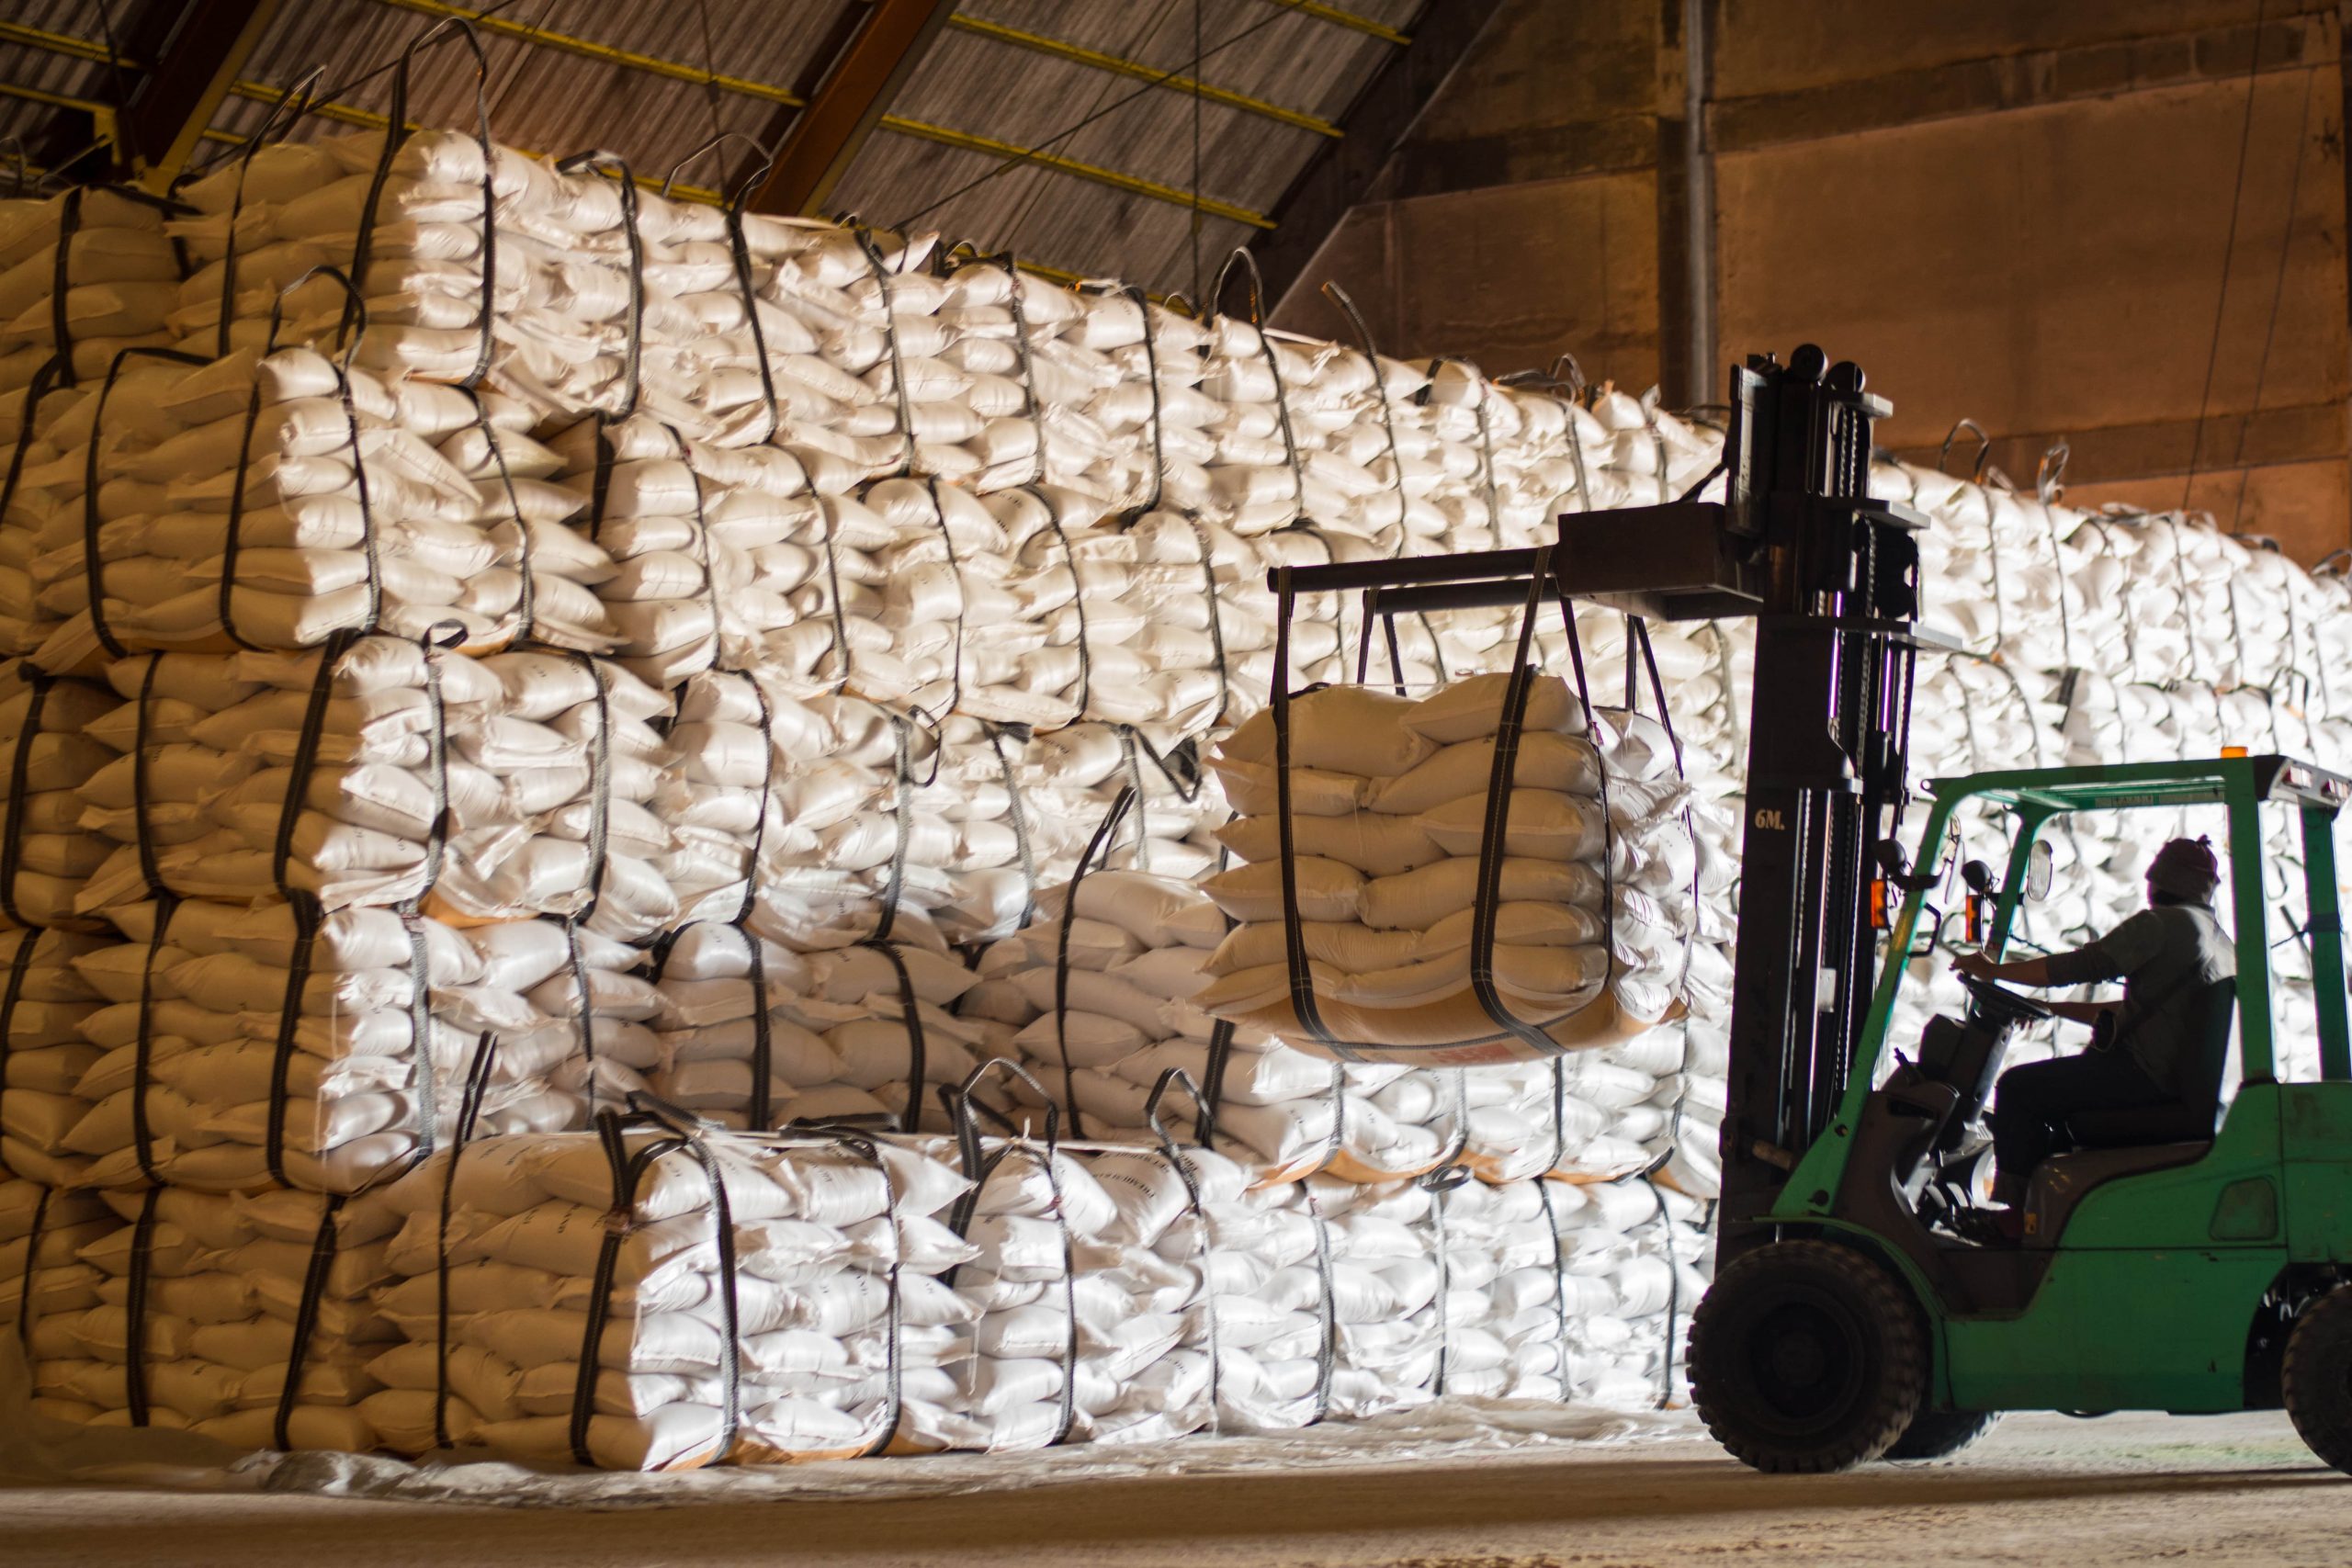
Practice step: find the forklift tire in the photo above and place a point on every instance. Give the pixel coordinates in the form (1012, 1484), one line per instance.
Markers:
(1940, 1434)
(2316, 1382)
(1807, 1358)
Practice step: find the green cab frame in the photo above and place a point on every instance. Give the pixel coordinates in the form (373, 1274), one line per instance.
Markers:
(2157, 1294)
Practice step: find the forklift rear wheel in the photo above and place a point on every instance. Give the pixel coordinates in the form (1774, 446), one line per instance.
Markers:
(1807, 1357)
(1940, 1434)
(2316, 1382)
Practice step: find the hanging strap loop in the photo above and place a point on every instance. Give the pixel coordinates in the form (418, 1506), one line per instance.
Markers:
(614, 166)
(396, 133)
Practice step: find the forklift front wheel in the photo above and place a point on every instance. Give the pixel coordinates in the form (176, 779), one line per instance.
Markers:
(2316, 1382)
(1940, 1434)
(1807, 1356)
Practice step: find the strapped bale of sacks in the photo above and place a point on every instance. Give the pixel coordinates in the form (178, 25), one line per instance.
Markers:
(662, 1295)
(1498, 837)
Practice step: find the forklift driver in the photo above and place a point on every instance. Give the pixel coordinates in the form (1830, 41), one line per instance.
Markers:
(2144, 1049)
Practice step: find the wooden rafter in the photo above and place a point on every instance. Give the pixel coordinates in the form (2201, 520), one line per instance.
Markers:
(879, 44)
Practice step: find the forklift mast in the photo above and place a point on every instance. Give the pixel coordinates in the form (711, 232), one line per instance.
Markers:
(1832, 578)
(1835, 653)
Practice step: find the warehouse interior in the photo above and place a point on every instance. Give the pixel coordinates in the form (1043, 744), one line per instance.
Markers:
(1168, 780)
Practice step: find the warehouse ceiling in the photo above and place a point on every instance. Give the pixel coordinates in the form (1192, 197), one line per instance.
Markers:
(1137, 139)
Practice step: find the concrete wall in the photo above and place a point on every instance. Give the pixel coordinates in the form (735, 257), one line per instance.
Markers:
(2027, 214)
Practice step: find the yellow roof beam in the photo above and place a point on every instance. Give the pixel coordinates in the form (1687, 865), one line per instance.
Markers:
(589, 48)
(1133, 183)
(1120, 66)
(1348, 20)
(259, 92)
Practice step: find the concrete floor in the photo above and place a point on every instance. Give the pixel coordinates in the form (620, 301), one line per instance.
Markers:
(2042, 1489)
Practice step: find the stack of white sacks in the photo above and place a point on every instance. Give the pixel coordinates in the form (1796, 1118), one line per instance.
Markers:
(1127, 1294)
(669, 1298)
(246, 1318)
(704, 674)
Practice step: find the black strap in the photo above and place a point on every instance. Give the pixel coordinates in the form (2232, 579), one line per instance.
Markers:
(731, 1312)
(1559, 1272)
(94, 562)
(1327, 1352)
(396, 132)
(584, 1017)
(902, 814)
(627, 1171)
(763, 1033)
(526, 601)
(289, 1021)
(600, 477)
(1486, 902)
(1300, 977)
(1217, 625)
(291, 107)
(909, 1008)
(20, 964)
(947, 539)
(233, 534)
(1094, 846)
(469, 1111)
(20, 759)
(1030, 409)
(751, 180)
(1673, 1297)
(305, 758)
(1173, 1078)
(767, 801)
(613, 165)
(600, 786)
(368, 543)
(1211, 1092)
(1151, 370)
(60, 282)
(44, 382)
(843, 654)
(142, 1255)
(891, 341)
(1077, 603)
(1017, 812)
(420, 1034)
(1249, 263)
(323, 1246)
(142, 1136)
(25, 1275)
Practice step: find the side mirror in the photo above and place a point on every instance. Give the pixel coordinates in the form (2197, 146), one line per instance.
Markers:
(1979, 878)
(2038, 862)
(1895, 865)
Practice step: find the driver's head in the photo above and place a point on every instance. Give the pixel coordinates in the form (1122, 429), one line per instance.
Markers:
(2184, 871)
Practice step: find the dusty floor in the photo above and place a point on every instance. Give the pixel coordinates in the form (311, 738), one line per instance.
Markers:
(2041, 1490)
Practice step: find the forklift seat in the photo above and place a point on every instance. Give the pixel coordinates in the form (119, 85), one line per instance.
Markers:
(2135, 1142)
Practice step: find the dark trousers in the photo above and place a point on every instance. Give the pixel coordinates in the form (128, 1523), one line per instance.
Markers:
(2032, 1103)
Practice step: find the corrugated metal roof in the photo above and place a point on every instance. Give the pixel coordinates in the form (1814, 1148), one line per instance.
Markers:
(1081, 164)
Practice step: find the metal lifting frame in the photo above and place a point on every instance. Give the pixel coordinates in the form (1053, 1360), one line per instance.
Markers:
(1831, 577)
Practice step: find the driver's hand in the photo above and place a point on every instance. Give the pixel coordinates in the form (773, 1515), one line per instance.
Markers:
(1974, 966)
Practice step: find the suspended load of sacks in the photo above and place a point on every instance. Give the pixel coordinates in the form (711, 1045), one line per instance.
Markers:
(1495, 872)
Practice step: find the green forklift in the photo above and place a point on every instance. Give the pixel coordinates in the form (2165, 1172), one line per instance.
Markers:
(2166, 1264)
(1857, 1314)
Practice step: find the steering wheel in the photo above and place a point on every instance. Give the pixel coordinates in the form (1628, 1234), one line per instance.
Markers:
(2002, 1006)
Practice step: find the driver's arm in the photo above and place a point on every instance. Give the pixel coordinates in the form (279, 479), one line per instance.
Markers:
(2023, 972)
(2084, 965)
